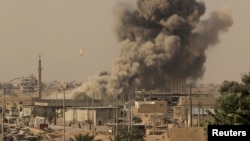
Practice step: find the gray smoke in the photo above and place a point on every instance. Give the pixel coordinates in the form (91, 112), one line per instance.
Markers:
(159, 41)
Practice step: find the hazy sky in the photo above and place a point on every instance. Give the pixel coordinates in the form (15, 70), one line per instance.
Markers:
(58, 29)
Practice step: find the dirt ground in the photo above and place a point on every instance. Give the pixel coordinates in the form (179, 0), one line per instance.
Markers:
(106, 138)
(148, 137)
(187, 134)
(162, 137)
(173, 134)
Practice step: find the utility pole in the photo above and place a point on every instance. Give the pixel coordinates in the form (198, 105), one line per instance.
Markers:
(130, 116)
(199, 107)
(154, 121)
(56, 110)
(113, 115)
(93, 115)
(63, 86)
(131, 111)
(88, 121)
(129, 103)
(116, 117)
(190, 105)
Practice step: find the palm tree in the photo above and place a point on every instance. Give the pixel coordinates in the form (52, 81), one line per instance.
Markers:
(232, 109)
(132, 135)
(245, 78)
(82, 137)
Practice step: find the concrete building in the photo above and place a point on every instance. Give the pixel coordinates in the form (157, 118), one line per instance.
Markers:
(151, 111)
(56, 106)
(100, 115)
(28, 84)
(151, 106)
(199, 107)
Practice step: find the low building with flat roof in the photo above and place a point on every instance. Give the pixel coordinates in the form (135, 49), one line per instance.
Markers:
(98, 115)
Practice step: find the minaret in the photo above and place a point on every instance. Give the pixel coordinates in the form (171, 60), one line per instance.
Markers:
(39, 84)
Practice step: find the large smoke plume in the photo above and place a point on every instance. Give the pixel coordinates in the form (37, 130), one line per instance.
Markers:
(159, 40)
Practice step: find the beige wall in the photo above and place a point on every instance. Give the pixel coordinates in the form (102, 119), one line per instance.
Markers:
(158, 107)
(101, 116)
(186, 134)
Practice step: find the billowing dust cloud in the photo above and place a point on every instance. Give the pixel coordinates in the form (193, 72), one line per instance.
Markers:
(159, 40)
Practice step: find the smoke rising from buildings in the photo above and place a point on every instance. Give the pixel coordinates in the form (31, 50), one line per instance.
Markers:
(159, 41)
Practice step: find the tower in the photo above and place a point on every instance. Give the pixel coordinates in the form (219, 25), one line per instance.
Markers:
(39, 87)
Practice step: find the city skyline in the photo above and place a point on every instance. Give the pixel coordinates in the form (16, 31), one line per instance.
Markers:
(59, 30)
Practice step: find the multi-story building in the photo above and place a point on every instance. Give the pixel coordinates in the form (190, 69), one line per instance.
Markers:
(28, 84)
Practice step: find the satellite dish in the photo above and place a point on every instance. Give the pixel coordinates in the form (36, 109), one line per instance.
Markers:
(81, 52)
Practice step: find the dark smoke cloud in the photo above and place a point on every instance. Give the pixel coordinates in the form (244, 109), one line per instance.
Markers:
(159, 41)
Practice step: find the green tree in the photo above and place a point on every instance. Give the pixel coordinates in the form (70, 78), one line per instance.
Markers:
(233, 87)
(230, 86)
(83, 137)
(245, 78)
(137, 119)
(232, 108)
(132, 135)
(51, 116)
